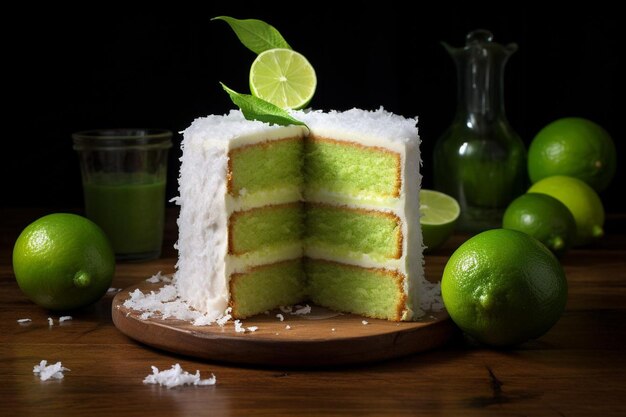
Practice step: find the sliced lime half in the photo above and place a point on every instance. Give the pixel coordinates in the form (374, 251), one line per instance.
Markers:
(439, 213)
(283, 77)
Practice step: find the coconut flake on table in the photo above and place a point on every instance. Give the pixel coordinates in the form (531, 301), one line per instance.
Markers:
(46, 371)
(50, 322)
(64, 318)
(176, 376)
(364, 322)
(280, 317)
(252, 328)
(287, 327)
(24, 321)
(112, 290)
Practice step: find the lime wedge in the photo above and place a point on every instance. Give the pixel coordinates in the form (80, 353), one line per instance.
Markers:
(283, 77)
(439, 213)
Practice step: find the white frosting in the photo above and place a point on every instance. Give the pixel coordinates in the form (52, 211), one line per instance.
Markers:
(204, 266)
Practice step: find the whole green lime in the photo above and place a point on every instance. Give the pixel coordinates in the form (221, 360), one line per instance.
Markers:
(503, 287)
(581, 200)
(543, 217)
(574, 147)
(63, 261)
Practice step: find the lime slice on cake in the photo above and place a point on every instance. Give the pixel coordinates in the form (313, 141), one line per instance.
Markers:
(283, 77)
(439, 213)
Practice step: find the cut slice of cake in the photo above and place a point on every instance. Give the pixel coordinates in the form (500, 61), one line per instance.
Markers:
(274, 216)
(363, 240)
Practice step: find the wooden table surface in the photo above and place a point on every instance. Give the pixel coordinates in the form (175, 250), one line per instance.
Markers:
(577, 368)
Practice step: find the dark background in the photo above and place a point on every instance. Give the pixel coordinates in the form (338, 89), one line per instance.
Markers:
(70, 70)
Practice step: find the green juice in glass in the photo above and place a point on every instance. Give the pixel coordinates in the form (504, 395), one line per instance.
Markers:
(130, 214)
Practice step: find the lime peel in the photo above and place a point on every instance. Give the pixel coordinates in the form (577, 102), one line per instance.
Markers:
(82, 279)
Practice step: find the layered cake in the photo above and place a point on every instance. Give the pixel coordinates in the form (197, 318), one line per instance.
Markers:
(278, 215)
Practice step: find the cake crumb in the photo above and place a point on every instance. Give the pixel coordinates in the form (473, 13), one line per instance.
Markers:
(50, 322)
(280, 317)
(176, 376)
(288, 327)
(24, 321)
(64, 318)
(364, 322)
(46, 371)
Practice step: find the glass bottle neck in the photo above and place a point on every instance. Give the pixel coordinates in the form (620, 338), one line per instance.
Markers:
(480, 90)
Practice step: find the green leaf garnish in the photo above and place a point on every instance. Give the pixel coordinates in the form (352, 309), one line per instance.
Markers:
(256, 35)
(254, 108)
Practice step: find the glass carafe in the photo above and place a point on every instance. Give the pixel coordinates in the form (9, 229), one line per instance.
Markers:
(480, 160)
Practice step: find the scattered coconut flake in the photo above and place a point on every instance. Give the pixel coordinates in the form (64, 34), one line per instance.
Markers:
(176, 376)
(221, 321)
(287, 327)
(154, 279)
(166, 303)
(112, 290)
(24, 321)
(159, 277)
(50, 322)
(299, 310)
(333, 329)
(64, 318)
(302, 310)
(364, 322)
(280, 317)
(252, 328)
(239, 327)
(431, 299)
(203, 320)
(146, 315)
(49, 371)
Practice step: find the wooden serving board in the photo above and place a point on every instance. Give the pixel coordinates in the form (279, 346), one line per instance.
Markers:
(320, 338)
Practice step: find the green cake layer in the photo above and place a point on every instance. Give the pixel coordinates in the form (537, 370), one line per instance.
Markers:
(350, 168)
(265, 227)
(310, 166)
(375, 293)
(345, 230)
(266, 287)
(265, 166)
